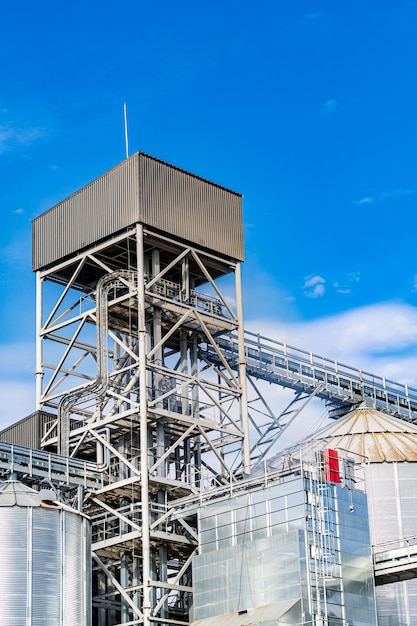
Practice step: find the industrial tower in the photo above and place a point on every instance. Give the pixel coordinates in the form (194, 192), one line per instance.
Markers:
(138, 275)
(142, 420)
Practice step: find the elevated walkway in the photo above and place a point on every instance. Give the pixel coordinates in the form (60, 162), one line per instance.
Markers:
(396, 560)
(339, 385)
(36, 465)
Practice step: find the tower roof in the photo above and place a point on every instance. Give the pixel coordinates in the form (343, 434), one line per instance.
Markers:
(143, 190)
(372, 434)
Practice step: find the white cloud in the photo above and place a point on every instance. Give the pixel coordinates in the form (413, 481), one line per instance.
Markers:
(354, 277)
(317, 292)
(13, 136)
(313, 280)
(380, 339)
(344, 291)
(386, 195)
(344, 287)
(314, 286)
(329, 107)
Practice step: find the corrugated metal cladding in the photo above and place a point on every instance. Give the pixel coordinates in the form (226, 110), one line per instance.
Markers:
(105, 206)
(146, 190)
(45, 555)
(27, 432)
(190, 208)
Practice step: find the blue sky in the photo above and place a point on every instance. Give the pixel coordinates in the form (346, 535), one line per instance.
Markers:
(307, 108)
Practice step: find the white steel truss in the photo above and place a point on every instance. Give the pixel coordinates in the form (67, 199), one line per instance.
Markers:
(119, 330)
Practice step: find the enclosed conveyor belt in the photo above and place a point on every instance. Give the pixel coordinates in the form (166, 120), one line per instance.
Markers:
(341, 386)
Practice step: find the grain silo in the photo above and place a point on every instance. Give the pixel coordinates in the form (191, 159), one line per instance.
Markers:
(390, 447)
(45, 551)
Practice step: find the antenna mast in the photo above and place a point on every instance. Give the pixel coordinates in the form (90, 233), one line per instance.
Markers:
(126, 133)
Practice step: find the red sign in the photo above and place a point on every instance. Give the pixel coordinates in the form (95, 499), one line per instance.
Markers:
(331, 465)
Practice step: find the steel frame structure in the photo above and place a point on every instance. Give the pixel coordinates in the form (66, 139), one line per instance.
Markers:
(143, 363)
(119, 331)
(340, 385)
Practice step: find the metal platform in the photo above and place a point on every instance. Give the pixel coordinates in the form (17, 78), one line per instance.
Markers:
(339, 385)
(396, 560)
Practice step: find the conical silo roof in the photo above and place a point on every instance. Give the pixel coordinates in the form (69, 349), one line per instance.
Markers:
(372, 434)
(15, 493)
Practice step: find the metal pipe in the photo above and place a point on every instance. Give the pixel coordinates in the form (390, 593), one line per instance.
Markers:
(242, 372)
(143, 428)
(38, 371)
(195, 406)
(98, 387)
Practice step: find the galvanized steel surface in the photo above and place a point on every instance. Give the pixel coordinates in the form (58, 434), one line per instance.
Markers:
(250, 575)
(285, 612)
(390, 445)
(13, 492)
(397, 603)
(298, 540)
(105, 206)
(392, 503)
(45, 555)
(141, 190)
(372, 435)
(189, 207)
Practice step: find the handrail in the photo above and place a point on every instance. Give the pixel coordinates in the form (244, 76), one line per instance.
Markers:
(330, 364)
(37, 463)
(406, 546)
(342, 385)
(399, 562)
(172, 291)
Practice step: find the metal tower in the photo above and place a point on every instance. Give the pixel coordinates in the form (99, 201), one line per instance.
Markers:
(138, 274)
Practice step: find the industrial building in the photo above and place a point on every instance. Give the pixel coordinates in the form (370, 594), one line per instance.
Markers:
(173, 503)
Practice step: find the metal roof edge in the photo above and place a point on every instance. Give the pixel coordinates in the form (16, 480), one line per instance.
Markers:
(137, 156)
(196, 176)
(76, 193)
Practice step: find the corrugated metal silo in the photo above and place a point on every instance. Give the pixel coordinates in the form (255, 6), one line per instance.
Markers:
(390, 446)
(45, 558)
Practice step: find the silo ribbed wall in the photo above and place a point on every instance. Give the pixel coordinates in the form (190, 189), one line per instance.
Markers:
(45, 566)
(392, 502)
